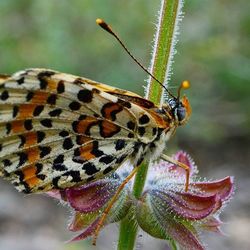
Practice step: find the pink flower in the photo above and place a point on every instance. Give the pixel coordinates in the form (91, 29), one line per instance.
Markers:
(164, 209)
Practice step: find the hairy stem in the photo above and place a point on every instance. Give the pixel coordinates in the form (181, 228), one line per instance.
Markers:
(163, 52)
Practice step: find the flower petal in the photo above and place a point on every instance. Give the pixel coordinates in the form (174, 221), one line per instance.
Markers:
(88, 232)
(93, 196)
(212, 224)
(186, 205)
(222, 188)
(159, 224)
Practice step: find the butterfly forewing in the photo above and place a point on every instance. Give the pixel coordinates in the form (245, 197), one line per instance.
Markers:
(59, 130)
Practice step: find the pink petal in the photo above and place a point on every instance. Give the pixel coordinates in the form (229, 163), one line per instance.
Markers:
(178, 232)
(212, 224)
(91, 197)
(159, 223)
(57, 194)
(222, 188)
(54, 194)
(88, 232)
(189, 206)
(183, 236)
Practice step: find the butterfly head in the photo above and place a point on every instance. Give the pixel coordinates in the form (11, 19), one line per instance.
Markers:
(179, 109)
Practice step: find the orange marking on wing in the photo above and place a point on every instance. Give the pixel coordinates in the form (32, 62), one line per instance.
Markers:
(33, 155)
(26, 111)
(39, 97)
(83, 125)
(161, 123)
(85, 152)
(30, 139)
(107, 111)
(83, 139)
(30, 176)
(17, 127)
(108, 129)
(52, 84)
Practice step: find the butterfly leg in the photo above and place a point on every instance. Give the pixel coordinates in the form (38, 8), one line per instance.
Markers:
(111, 203)
(181, 165)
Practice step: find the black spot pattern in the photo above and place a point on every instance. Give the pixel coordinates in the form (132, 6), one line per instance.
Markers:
(52, 99)
(20, 81)
(23, 140)
(85, 95)
(15, 111)
(55, 182)
(74, 174)
(106, 159)
(29, 96)
(74, 105)
(64, 133)
(90, 168)
(40, 136)
(46, 123)
(55, 112)
(42, 78)
(67, 144)
(74, 126)
(28, 124)
(8, 128)
(95, 151)
(41, 176)
(131, 125)
(38, 110)
(82, 117)
(60, 87)
(124, 103)
(119, 144)
(6, 162)
(144, 119)
(39, 167)
(59, 159)
(5, 95)
(44, 151)
(59, 167)
(141, 131)
(23, 157)
(131, 135)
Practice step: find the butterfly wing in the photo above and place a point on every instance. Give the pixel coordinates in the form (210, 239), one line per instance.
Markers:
(58, 131)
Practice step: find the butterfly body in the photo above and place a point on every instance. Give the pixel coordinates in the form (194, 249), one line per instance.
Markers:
(58, 130)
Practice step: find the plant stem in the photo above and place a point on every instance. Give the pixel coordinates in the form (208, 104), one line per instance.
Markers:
(165, 40)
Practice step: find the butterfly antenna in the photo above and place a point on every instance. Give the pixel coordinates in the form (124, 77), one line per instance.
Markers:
(106, 27)
(184, 85)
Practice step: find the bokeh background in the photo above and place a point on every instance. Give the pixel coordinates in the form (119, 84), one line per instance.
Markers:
(213, 53)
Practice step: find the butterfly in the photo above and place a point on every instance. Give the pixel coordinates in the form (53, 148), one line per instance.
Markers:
(59, 130)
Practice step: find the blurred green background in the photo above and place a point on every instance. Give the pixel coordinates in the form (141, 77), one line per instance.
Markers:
(213, 53)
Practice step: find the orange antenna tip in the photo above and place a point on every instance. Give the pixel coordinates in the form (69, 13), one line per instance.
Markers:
(185, 84)
(104, 25)
(99, 21)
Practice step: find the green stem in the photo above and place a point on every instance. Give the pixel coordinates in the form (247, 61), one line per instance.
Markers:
(165, 41)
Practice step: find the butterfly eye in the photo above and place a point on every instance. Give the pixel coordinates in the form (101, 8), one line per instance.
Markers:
(181, 114)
